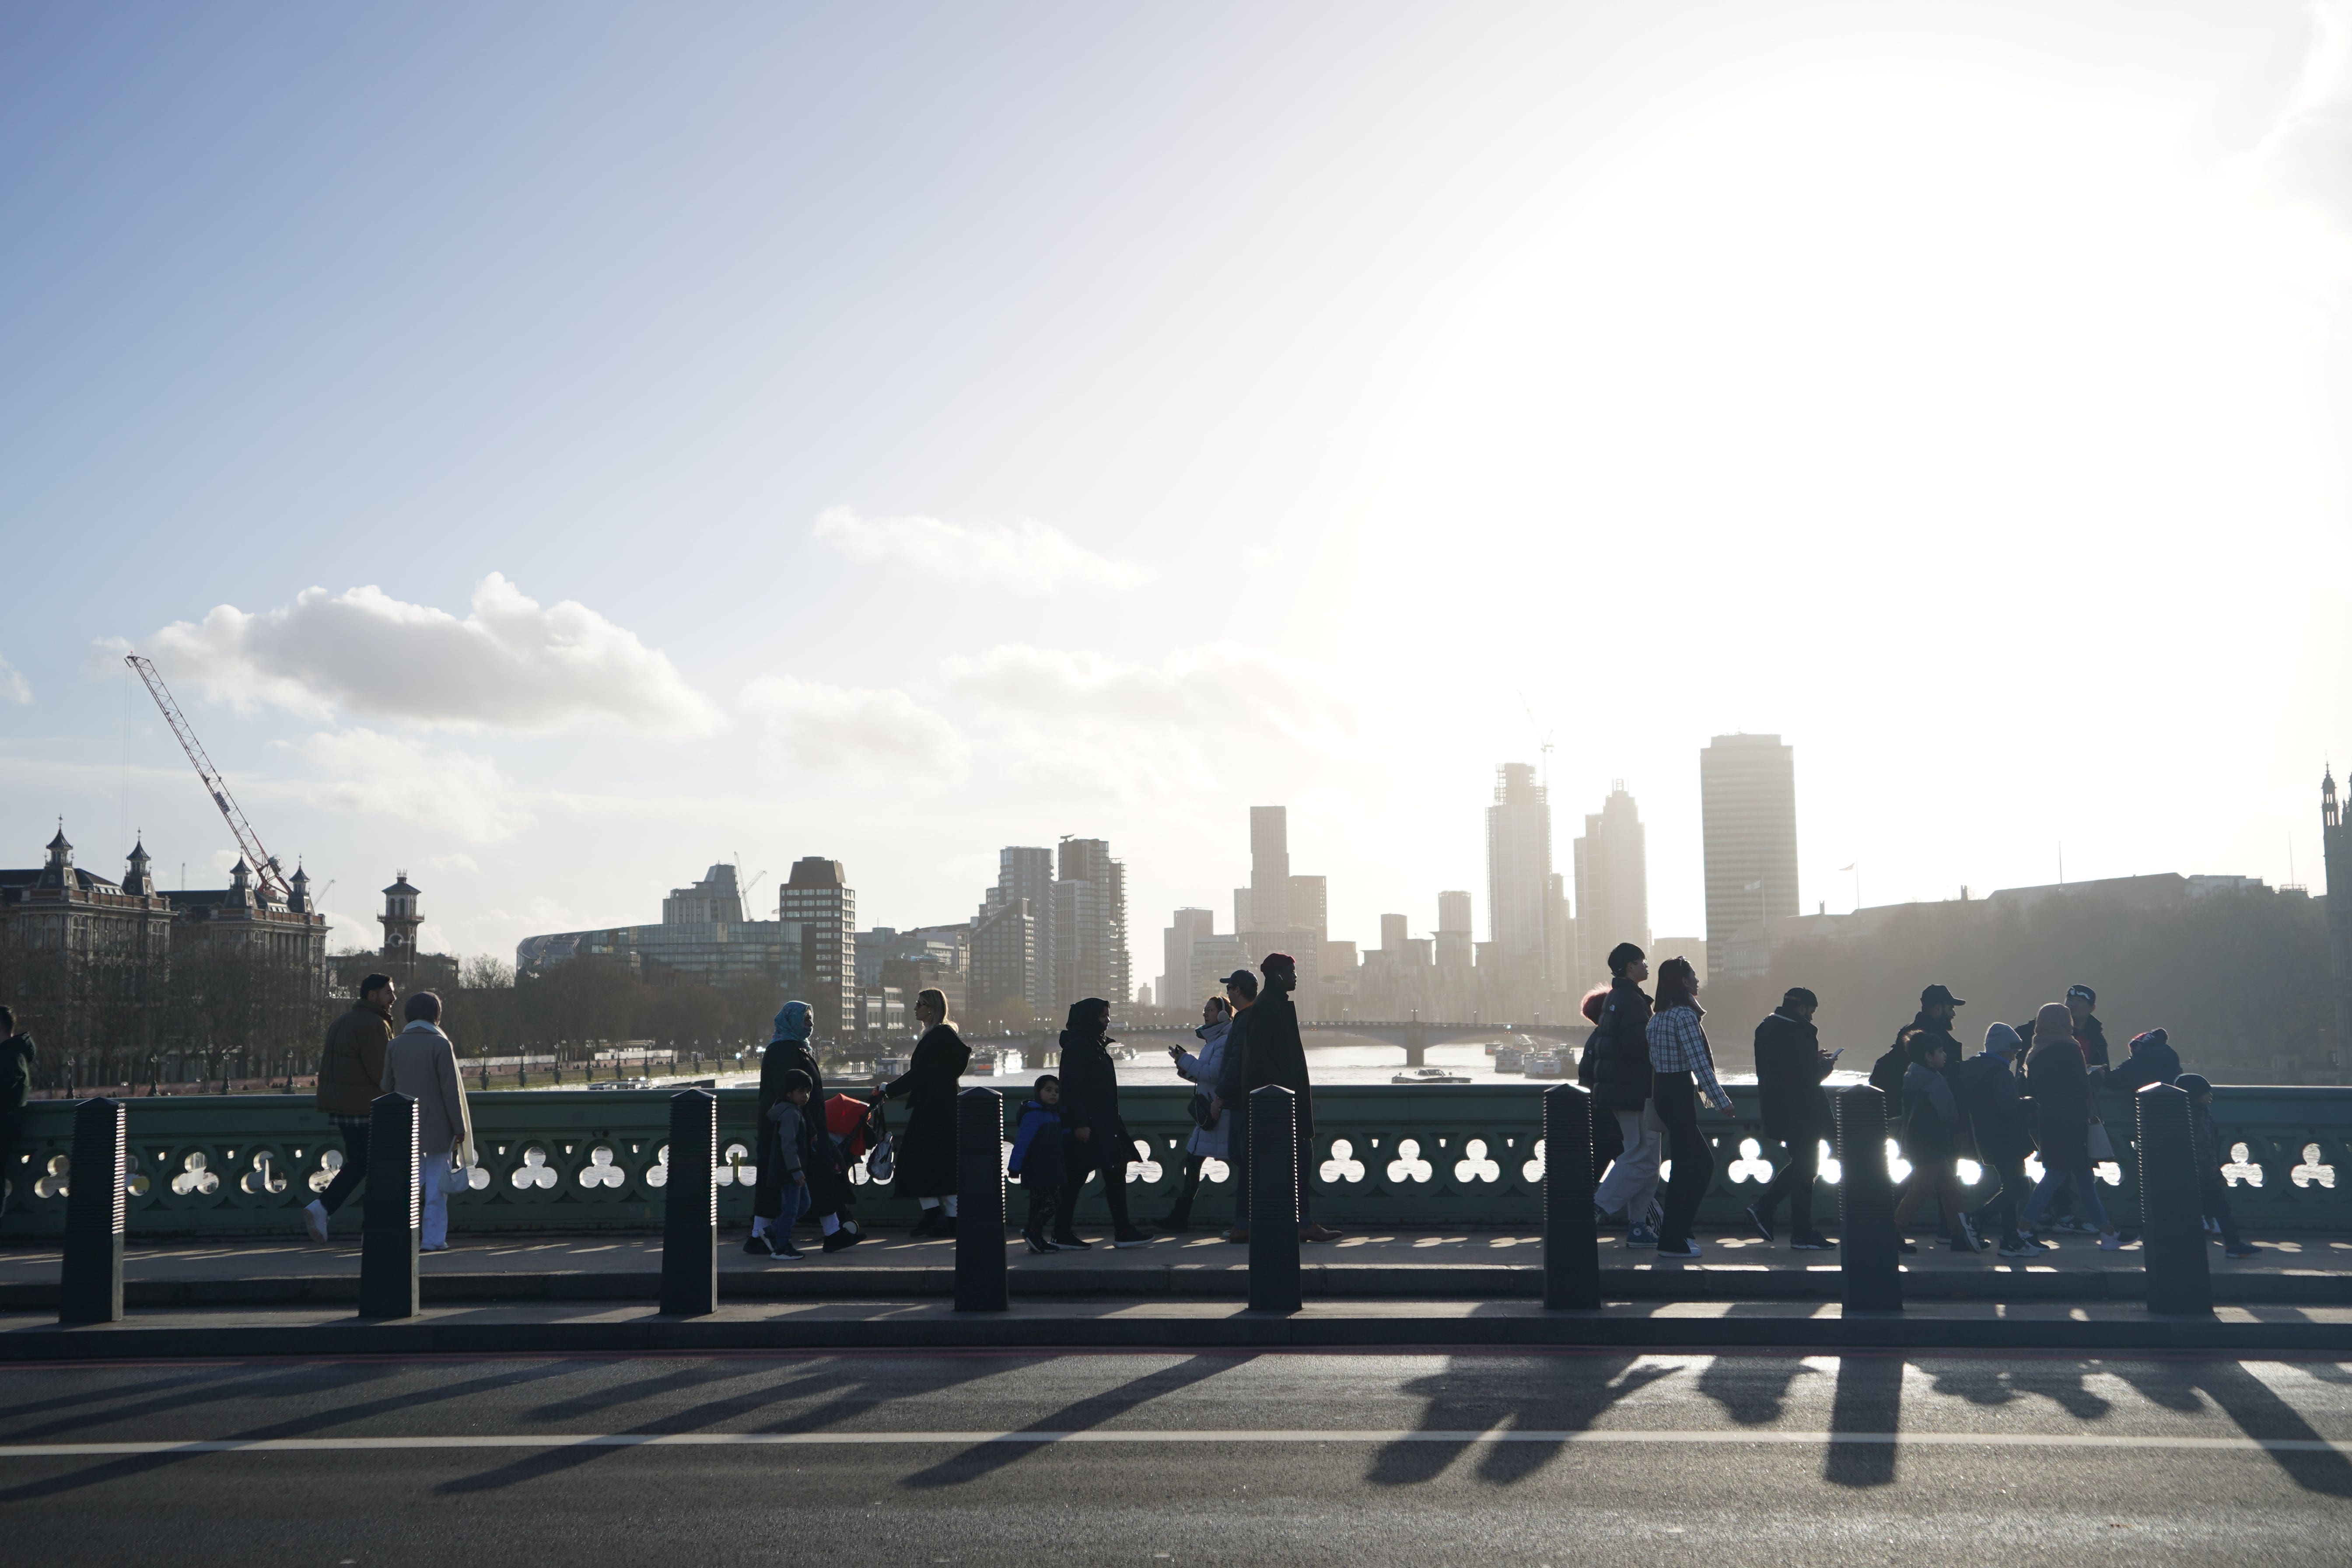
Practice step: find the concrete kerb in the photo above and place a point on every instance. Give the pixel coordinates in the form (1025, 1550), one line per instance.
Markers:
(935, 1329)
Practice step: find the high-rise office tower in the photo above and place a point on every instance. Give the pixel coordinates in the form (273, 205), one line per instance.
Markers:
(1242, 920)
(1310, 906)
(1613, 886)
(1455, 943)
(1270, 868)
(1747, 803)
(819, 912)
(1185, 931)
(1519, 873)
(1091, 957)
(1559, 934)
(1392, 930)
(1004, 964)
(1027, 871)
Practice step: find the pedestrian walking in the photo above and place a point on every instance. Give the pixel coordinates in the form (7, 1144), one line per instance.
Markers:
(1230, 1102)
(927, 1153)
(1608, 1139)
(1275, 1053)
(788, 1141)
(351, 1075)
(1619, 1049)
(1098, 1140)
(1789, 1068)
(1993, 1110)
(824, 1187)
(2205, 1145)
(2151, 1059)
(1931, 1141)
(1211, 1137)
(421, 1062)
(2060, 1086)
(1682, 1071)
(17, 1055)
(1040, 1161)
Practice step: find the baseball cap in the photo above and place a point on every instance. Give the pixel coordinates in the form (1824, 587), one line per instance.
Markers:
(1239, 977)
(2089, 997)
(1940, 996)
(1798, 997)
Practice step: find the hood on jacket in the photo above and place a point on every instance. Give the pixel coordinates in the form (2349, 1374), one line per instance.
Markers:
(1089, 1017)
(2054, 1024)
(2002, 1039)
(794, 1022)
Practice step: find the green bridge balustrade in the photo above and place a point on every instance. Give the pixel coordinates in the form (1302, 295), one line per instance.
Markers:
(1400, 1156)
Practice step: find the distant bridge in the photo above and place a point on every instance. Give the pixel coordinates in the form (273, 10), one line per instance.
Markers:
(1413, 1035)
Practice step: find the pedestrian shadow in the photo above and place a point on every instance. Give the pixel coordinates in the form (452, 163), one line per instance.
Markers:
(983, 1460)
(1752, 1390)
(1867, 1402)
(1989, 1384)
(1554, 1394)
(2254, 1406)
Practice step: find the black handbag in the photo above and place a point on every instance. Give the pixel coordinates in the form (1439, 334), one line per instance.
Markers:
(1202, 1108)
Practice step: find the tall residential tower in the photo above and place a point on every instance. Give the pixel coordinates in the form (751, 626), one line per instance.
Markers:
(1747, 802)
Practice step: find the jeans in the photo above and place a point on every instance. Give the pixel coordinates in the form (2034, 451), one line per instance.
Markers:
(2086, 1192)
(354, 1130)
(1632, 1183)
(437, 1202)
(2001, 1208)
(1676, 1100)
(1793, 1183)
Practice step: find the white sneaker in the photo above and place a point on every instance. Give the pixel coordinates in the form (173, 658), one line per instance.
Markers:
(2113, 1241)
(314, 1220)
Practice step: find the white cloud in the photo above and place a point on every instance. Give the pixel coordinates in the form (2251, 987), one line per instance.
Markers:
(370, 775)
(1029, 557)
(510, 664)
(836, 728)
(14, 687)
(2307, 156)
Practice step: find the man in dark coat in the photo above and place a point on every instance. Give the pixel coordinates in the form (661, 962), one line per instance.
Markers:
(2152, 1060)
(1098, 1140)
(1618, 1050)
(16, 1054)
(1272, 1053)
(927, 1153)
(1789, 1068)
(1994, 1109)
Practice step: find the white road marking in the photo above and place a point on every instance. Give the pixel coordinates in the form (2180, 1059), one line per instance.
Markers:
(550, 1440)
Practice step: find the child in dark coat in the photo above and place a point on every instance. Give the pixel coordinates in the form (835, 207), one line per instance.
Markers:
(1037, 1162)
(2213, 1187)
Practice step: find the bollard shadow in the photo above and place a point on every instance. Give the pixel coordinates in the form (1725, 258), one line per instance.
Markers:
(2256, 1409)
(291, 1383)
(1555, 1395)
(986, 1458)
(1753, 1391)
(1868, 1402)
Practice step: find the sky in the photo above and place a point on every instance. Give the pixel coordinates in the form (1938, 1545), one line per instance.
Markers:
(553, 448)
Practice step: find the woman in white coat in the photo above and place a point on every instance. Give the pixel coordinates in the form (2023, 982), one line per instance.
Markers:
(422, 1063)
(1214, 1140)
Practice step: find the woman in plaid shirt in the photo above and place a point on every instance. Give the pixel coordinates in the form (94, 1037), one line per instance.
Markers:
(1682, 1068)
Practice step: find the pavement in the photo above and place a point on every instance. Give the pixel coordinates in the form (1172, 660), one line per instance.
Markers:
(2303, 1271)
(1508, 1458)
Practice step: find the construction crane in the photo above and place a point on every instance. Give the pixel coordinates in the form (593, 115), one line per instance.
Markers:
(263, 863)
(744, 888)
(1544, 745)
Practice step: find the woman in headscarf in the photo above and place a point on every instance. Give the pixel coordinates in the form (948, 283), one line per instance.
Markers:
(1098, 1140)
(927, 1153)
(2060, 1085)
(788, 1051)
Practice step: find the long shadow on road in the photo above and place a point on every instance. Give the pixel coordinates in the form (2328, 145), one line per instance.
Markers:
(1869, 1399)
(1545, 1395)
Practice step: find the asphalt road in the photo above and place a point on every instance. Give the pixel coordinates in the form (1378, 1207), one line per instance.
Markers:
(1501, 1458)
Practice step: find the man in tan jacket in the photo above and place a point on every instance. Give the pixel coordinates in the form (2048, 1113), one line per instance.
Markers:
(351, 1075)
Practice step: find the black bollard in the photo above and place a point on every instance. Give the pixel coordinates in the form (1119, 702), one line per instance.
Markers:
(1870, 1260)
(980, 1201)
(1572, 1252)
(394, 1214)
(90, 1283)
(1273, 1156)
(689, 1281)
(2172, 1214)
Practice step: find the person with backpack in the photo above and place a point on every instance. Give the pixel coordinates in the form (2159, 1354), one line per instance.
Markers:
(1994, 1111)
(2060, 1086)
(1789, 1068)
(2205, 1147)
(1931, 1141)
(1619, 1049)
(1212, 1128)
(1682, 1072)
(1039, 1161)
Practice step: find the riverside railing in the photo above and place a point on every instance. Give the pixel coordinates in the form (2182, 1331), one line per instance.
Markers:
(1413, 1158)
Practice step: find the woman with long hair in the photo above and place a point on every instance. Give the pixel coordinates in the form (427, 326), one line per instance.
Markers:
(926, 1162)
(2060, 1084)
(1682, 1068)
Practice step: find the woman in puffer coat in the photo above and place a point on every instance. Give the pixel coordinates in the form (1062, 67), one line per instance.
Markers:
(1213, 1141)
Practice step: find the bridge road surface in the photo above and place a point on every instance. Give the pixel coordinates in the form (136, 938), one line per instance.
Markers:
(1574, 1457)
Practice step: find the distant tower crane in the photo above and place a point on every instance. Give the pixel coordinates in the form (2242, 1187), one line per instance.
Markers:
(263, 863)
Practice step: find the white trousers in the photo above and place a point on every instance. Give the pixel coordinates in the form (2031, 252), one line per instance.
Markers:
(1632, 1183)
(437, 1202)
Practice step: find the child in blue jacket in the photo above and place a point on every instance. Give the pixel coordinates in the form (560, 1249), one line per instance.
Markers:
(1038, 1162)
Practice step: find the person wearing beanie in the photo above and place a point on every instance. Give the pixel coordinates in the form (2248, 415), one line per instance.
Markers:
(1991, 1107)
(2205, 1146)
(2151, 1060)
(2061, 1088)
